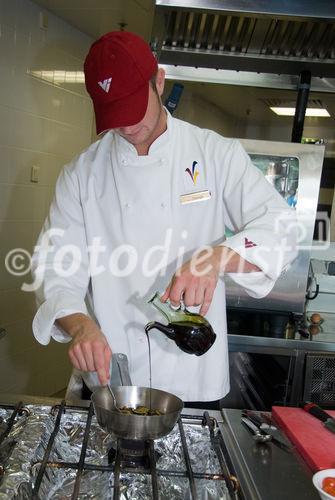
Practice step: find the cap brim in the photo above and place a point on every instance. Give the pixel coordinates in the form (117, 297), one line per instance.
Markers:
(124, 112)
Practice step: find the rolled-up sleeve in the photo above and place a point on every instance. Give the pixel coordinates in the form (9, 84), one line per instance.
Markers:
(264, 226)
(60, 261)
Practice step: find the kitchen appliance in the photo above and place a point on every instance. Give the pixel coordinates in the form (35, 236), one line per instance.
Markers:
(281, 314)
(271, 37)
(293, 169)
(61, 452)
(319, 381)
(58, 451)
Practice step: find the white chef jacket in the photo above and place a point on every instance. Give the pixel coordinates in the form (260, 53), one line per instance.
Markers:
(132, 204)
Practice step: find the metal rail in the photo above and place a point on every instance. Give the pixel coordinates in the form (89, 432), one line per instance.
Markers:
(219, 453)
(153, 471)
(187, 460)
(76, 488)
(117, 472)
(42, 468)
(17, 410)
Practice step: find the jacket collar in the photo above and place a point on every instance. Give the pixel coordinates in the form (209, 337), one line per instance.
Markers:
(124, 147)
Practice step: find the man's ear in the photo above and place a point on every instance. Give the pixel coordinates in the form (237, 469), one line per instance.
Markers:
(160, 81)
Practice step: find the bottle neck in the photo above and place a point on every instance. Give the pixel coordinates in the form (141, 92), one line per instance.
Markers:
(165, 309)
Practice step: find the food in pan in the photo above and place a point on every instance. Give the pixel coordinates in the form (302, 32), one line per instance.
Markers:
(140, 410)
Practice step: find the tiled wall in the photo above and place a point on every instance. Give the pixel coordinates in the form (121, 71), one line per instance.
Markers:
(194, 109)
(41, 124)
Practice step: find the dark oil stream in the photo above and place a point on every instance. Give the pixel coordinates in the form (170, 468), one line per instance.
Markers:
(150, 377)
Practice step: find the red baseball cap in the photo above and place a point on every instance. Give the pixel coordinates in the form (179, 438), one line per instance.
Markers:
(118, 68)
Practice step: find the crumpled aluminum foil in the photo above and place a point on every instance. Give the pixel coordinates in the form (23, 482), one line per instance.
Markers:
(26, 433)
(32, 433)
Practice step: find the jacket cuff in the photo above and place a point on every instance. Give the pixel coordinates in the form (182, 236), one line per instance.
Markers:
(270, 257)
(256, 284)
(57, 306)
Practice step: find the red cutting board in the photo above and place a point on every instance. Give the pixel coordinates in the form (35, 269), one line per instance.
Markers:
(313, 441)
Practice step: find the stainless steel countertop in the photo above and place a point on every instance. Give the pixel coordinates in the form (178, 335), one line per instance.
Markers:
(251, 343)
(265, 471)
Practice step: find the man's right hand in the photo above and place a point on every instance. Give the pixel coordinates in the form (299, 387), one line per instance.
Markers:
(89, 350)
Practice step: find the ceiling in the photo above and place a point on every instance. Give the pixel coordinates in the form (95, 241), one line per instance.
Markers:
(100, 16)
(97, 17)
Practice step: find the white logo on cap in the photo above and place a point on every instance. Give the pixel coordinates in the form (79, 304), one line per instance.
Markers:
(105, 84)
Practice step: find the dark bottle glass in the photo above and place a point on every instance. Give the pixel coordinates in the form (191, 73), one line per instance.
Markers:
(191, 332)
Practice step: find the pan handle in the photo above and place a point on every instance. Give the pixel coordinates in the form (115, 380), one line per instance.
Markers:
(120, 370)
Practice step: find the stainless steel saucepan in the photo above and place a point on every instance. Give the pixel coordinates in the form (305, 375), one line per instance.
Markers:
(136, 427)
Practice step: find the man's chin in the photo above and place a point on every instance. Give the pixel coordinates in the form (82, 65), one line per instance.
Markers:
(134, 139)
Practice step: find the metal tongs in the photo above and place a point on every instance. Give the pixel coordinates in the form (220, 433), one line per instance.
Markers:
(263, 429)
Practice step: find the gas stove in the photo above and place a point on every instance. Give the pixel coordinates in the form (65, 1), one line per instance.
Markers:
(58, 451)
(61, 452)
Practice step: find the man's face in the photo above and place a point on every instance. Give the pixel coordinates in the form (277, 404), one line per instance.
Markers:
(145, 131)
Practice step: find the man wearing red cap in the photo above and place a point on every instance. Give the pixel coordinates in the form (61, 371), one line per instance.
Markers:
(155, 194)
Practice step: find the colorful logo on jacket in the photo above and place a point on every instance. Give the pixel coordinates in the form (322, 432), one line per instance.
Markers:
(193, 172)
(249, 243)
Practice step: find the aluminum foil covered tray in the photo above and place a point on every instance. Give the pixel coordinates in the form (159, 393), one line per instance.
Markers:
(62, 453)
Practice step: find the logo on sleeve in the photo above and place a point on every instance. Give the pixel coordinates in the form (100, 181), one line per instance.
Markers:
(248, 243)
(105, 84)
(193, 172)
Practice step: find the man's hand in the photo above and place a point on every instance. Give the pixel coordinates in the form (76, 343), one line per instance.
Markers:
(195, 281)
(89, 350)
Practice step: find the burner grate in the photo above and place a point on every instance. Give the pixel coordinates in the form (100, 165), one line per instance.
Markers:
(46, 464)
(6, 443)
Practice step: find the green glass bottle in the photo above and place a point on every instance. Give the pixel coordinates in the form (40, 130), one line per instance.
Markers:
(190, 331)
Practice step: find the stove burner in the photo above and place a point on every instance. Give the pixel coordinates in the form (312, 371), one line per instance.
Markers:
(136, 458)
(134, 454)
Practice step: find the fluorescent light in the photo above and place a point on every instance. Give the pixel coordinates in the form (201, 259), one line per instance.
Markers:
(59, 76)
(281, 111)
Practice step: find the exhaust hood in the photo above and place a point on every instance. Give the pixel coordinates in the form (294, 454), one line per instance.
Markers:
(263, 36)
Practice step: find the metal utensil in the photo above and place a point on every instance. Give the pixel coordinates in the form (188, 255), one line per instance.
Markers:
(277, 438)
(115, 406)
(119, 376)
(267, 428)
(258, 436)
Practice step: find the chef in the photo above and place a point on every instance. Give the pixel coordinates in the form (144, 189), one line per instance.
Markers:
(145, 208)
